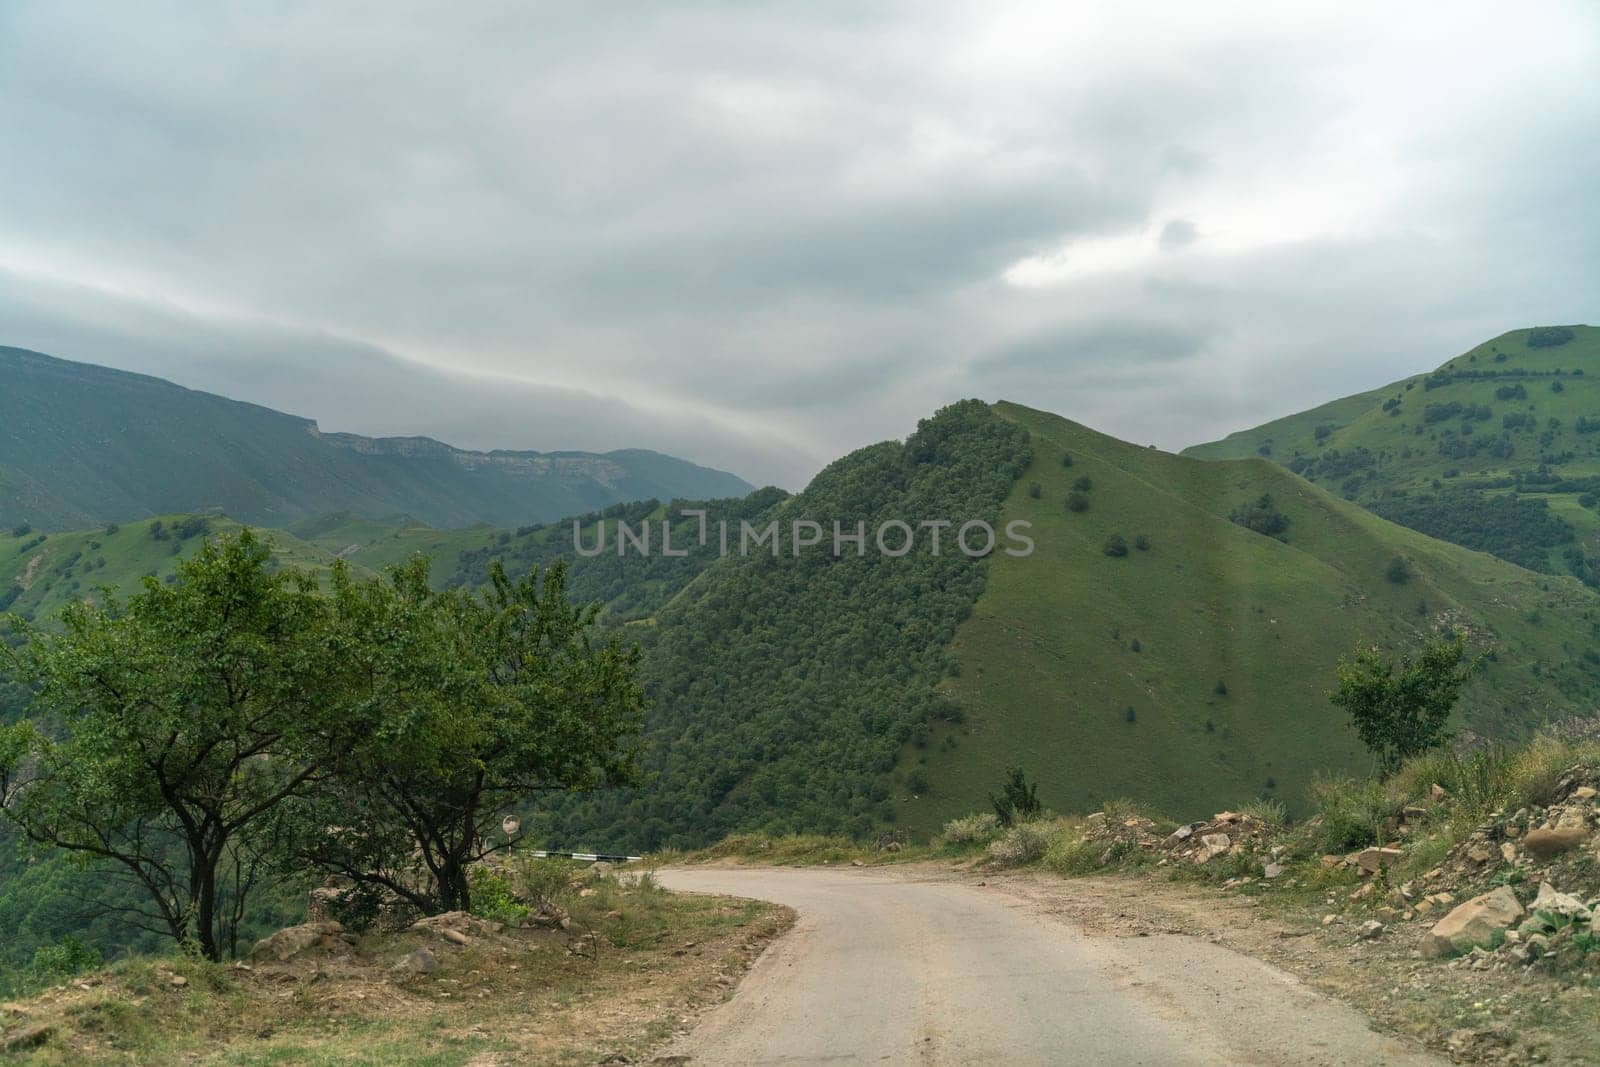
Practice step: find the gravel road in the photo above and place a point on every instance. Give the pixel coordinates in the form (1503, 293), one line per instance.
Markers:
(889, 966)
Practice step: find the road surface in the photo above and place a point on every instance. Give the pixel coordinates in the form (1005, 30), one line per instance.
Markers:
(889, 967)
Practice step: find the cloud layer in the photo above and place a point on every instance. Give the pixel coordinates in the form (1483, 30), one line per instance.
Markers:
(759, 236)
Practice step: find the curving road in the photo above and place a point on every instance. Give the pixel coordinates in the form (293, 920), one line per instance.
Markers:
(883, 967)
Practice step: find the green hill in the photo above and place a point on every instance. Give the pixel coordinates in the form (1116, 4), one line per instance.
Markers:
(849, 694)
(1498, 449)
(1221, 640)
(82, 445)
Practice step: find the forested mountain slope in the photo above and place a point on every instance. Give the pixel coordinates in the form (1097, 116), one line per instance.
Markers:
(82, 445)
(1498, 449)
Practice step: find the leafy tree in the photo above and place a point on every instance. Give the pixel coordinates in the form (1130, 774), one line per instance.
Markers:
(1262, 516)
(1083, 483)
(1018, 799)
(1549, 336)
(1115, 545)
(494, 697)
(1077, 502)
(1397, 571)
(163, 732)
(1400, 709)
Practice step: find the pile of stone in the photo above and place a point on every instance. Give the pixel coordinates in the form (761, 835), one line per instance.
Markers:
(1134, 830)
(1227, 833)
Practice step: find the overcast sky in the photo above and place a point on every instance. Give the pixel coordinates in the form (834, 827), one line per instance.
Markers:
(759, 236)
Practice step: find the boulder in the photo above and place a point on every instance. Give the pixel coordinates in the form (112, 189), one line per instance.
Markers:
(1370, 859)
(1370, 930)
(1212, 845)
(417, 961)
(1095, 821)
(1272, 870)
(1546, 844)
(1473, 923)
(1558, 903)
(293, 940)
(27, 1037)
(1586, 792)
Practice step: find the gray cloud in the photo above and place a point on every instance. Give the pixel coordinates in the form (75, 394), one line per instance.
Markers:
(759, 236)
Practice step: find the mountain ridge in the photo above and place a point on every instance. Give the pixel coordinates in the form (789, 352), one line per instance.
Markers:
(82, 443)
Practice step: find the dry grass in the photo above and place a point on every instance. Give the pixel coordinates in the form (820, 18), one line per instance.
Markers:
(636, 965)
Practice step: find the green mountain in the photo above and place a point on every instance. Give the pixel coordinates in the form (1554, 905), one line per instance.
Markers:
(82, 445)
(1170, 637)
(1497, 450)
(1153, 645)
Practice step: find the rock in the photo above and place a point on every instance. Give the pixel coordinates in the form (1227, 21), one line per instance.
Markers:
(1473, 923)
(1370, 859)
(600, 868)
(1329, 920)
(1437, 792)
(1586, 792)
(1479, 854)
(455, 936)
(179, 981)
(28, 1037)
(1095, 821)
(293, 940)
(1548, 843)
(1508, 852)
(1557, 903)
(1212, 845)
(1370, 930)
(1226, 816)
(1183, 833)
(1272, 870)
(417, 961)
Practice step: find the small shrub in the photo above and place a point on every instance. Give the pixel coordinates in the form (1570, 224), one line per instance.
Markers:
(1221, 688)
(1355, 814)
(495, 900)
(1142, 543)
(1023, 843)
(1129, 715)
(1077, 502)
(62, 960)
(1066, 459)
(1115, 546)
(1271, 811)
(972, 829)
(1017, 801)
(1083, 484)
(21, 530)
(1034, 491)
(1261, 516)
(1397, 572)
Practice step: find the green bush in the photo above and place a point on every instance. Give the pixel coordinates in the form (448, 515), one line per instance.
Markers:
(1023, 843)
(494, 899)
(1017, 801)
(1549, 336)
(1077, 502)
(60, 961)
(1354, 813)
(1115, 546)
(972, 829)
(1083, 484)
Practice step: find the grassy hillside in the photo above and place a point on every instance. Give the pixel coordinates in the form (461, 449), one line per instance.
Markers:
(1221, 641)
(40, 572)
(1498, 449)
(847, 695)
(82, 445)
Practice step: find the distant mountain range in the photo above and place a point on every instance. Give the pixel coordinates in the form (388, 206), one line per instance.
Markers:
(82, 445)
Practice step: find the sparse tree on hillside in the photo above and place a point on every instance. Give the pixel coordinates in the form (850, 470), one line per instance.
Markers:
(1400, 708)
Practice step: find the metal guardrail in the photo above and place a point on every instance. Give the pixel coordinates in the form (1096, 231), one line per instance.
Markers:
(592, 857)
